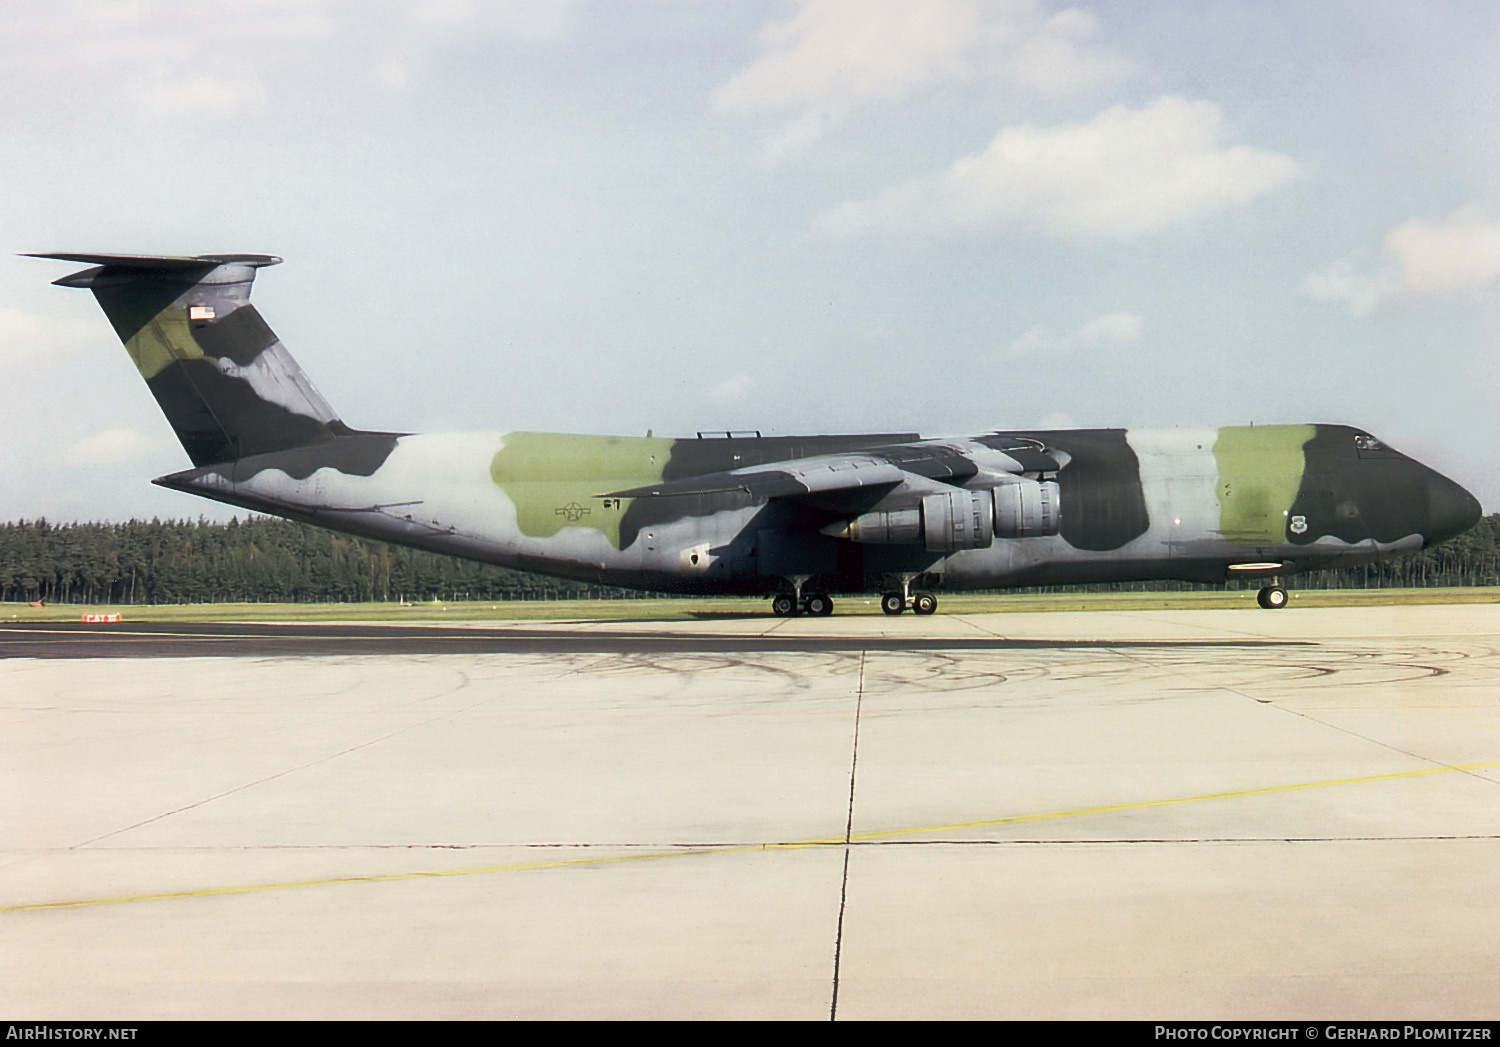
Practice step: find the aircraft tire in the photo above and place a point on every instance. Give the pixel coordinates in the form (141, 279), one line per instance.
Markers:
(784, 605)
(1272, 598)
(892, 603)
(924, 603)
(819, 605)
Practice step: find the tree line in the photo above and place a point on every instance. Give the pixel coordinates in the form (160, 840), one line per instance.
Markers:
(255, 560)
(261, 559)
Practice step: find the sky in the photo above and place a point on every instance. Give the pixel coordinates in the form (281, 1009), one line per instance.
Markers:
(796, 216)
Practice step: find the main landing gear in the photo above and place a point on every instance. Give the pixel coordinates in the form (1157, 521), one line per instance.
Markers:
(816, 605)
(920, 603)
(1272, 597)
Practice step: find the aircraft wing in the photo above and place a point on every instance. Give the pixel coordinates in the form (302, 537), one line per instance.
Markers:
(848, 480)
(799, 476)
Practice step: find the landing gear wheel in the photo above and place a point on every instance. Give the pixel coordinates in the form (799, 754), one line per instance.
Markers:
(784, 605)
(892, 603)
(818, 605)
(924, 603)
(1272, 598)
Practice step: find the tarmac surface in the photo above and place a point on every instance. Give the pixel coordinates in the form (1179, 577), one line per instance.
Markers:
(1185, 815)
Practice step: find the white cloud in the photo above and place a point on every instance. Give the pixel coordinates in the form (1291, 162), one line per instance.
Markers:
(169, 96)
(833, 57)
(1059, 60)
(25, 335)
(1459, 256)
(1125, 173)
(732, 389)
(175, 58)
(111, 446)
(1110, 331)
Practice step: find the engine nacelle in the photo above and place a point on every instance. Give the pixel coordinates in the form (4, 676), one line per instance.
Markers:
(887, 527)
(941, 523)
(961, 519)
(1027, 508)
(957, 520)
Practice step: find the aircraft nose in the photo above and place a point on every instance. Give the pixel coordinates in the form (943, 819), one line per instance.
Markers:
(1451, 510)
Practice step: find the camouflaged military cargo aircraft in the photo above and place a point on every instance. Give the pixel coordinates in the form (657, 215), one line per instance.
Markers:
(793, 517)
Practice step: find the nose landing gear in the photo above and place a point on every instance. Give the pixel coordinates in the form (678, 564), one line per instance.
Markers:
(1272, 597)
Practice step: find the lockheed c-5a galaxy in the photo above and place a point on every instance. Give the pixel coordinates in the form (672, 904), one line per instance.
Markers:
(794, 517)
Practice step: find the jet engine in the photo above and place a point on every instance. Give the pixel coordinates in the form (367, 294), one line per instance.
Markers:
(957, 520)
(941, 523)
(884, 527)
(961, 519)
(1027, 508)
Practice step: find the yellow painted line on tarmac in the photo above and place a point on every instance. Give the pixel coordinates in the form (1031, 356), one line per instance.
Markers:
(333, 881)
(682, 852)
(1136, 805)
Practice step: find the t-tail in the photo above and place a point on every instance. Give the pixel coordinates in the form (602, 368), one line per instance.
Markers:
(225, 382)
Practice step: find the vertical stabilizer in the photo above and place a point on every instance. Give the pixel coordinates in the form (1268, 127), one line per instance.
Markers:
(225, 382)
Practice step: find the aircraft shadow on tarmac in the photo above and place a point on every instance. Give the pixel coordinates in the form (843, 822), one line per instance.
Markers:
(250, 639)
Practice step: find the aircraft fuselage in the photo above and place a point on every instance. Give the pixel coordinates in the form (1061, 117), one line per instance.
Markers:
(1191, 504)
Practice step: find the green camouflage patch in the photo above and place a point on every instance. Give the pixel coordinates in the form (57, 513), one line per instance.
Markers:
(165, 338)
(555, 480)
(1260, 471)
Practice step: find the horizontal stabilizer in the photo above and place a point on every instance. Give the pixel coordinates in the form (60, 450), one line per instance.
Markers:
(162, 261)
(150, 263)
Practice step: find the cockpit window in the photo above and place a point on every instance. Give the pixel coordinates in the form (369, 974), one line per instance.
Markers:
(1366, 446)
